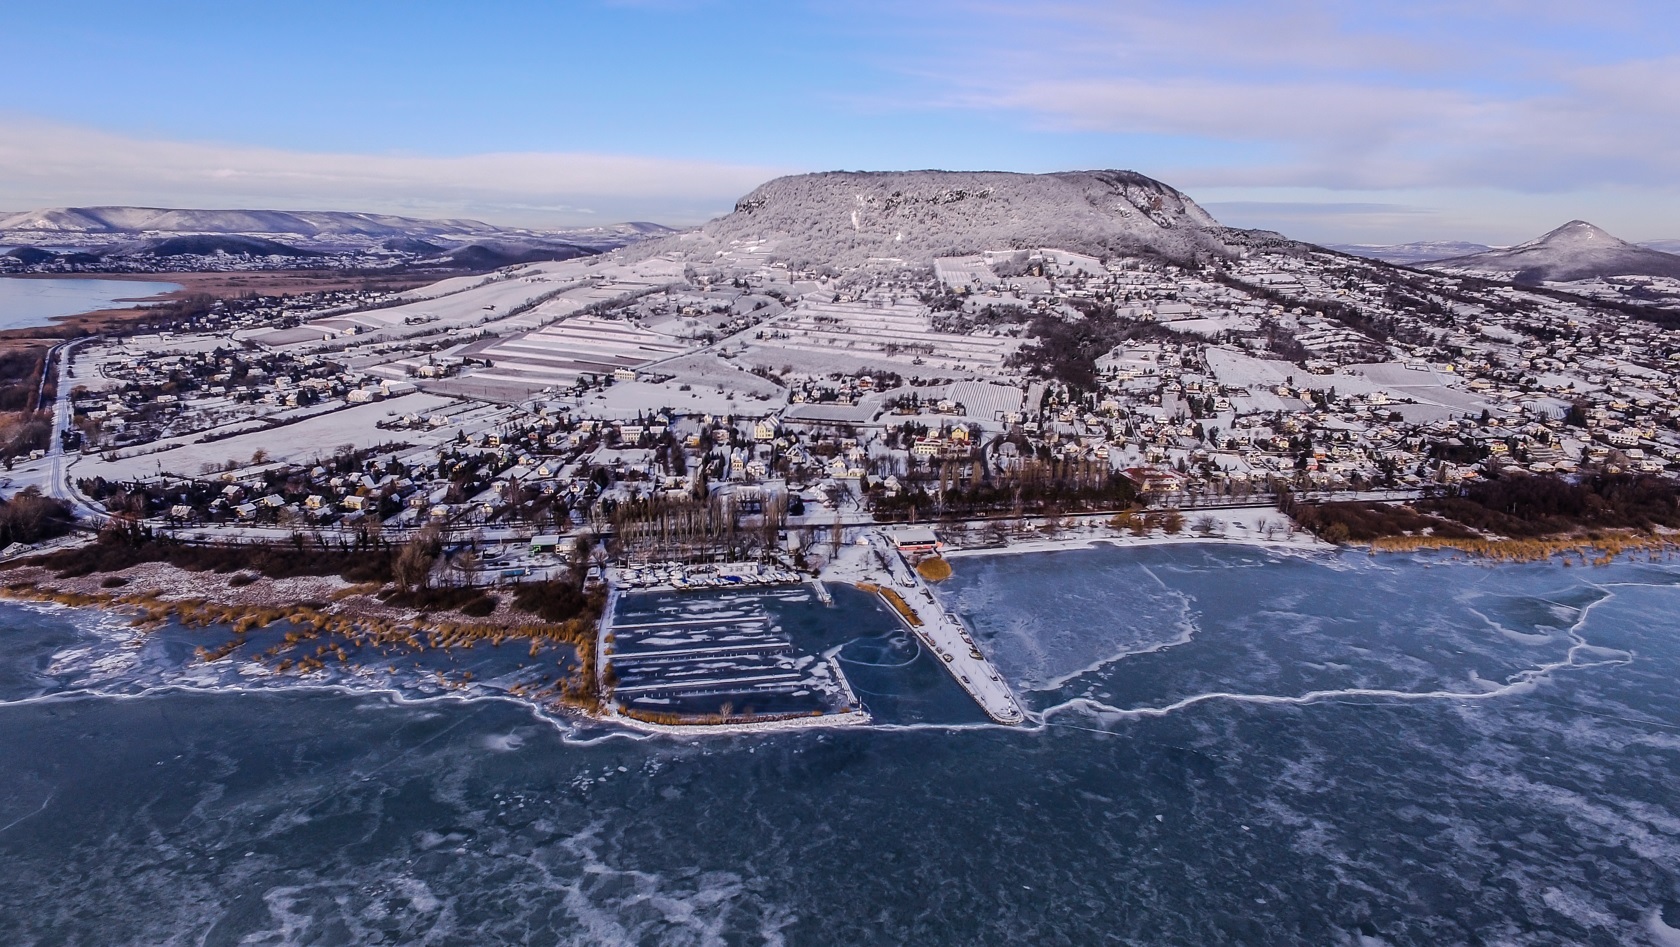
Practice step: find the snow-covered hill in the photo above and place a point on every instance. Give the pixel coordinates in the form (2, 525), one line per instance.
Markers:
(847, 219)
(1576, 251)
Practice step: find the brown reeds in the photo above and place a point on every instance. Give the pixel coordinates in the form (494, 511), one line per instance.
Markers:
(894, 599)
(339, 625)
(1600, 548)
(934, 568)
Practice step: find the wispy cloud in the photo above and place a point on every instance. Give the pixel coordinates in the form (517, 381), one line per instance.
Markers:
(1484, 115)
(1341, 95)
(47, 164)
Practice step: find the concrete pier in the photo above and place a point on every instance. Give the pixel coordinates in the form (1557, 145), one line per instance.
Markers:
(949, 639)
(821, 591)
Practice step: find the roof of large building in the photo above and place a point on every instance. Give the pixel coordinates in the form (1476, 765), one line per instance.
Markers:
(911, 536)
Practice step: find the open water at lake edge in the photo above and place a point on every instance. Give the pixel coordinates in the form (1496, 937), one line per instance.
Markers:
(25, 303)
(1236, 748)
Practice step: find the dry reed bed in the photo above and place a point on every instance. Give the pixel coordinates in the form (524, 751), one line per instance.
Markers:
(895, 600)
(341, 615)
(1600, 549)
(934, 568)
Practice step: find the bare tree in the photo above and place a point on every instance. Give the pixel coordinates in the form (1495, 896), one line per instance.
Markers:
(464, 564)
(413, 566)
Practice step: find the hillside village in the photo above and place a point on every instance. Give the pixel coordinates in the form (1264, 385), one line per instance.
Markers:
(746, 407)
(574, 442)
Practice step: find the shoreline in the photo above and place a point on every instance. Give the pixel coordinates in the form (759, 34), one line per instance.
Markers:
(854, 718)
(1245, 526)
(111, 314)
(324, 611)
(227, 284)
(1589, 549)
(1310, 545)
(1605, 548)
(320, 609)
(144, 613)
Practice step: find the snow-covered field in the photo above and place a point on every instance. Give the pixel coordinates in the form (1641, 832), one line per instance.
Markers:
(1421, 394)
(629, 399)
(547, 291)
(899, 333)
(302, 441)
(586, 345)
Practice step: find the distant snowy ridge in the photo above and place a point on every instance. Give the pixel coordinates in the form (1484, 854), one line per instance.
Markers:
(1422, 251)
(163, 220)
(845, 219)
(1576, 251)
(121, 233)
(137, 220)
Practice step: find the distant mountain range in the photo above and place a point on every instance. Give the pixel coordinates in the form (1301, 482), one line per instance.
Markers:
(112, 235)
(1420, 252)
(1576, 251)
(845, 219)
(840, 219)
(157, 220)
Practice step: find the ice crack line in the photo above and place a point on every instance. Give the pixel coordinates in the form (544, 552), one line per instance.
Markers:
(40, 809)
(1521, 682)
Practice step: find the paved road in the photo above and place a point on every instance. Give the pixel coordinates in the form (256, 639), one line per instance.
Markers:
(62, 416)
(50, 473)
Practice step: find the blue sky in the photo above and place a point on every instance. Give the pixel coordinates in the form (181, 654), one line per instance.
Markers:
(1330, 121)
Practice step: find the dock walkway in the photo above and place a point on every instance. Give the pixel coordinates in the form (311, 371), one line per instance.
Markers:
(949, 639)
(822, 593)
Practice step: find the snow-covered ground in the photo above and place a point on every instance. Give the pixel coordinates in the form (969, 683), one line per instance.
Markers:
(900, 333)
(559, 354)
(305, 440)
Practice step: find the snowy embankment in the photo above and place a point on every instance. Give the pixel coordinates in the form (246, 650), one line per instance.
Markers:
(856, 718)
(1249, 526)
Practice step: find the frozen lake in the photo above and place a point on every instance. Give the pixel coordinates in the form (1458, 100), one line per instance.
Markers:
(35, 302)
(1228, 746)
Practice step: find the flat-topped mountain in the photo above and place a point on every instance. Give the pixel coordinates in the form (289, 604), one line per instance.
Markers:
(1577, 250)
(844, 218)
